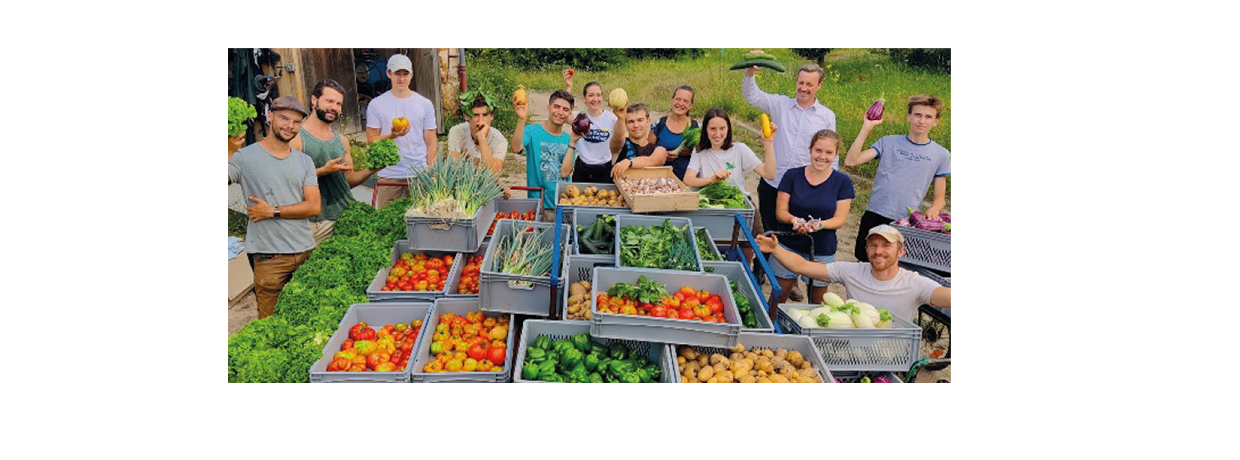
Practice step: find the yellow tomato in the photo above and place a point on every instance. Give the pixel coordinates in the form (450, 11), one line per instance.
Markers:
(454, 365)
(470, 365)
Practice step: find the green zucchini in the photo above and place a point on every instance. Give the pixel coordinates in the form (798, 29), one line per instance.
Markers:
(769, 57)
(770, 64)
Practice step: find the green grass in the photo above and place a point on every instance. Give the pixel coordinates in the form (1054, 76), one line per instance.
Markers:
(855, 79)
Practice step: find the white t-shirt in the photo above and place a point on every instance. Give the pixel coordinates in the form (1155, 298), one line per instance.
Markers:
(460, 138)
(595, 147)
(901, 295)
(421, 114)
(740, 155)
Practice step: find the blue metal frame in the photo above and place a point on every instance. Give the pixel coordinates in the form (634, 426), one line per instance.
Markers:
(734, 254)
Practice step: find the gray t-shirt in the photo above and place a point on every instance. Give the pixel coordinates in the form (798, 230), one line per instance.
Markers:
(905, 171)
(901, 295)
(278, 182)
(460, 140)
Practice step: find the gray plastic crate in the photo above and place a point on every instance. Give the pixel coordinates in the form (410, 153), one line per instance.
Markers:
(894, 349)
(376, 315)
(586, 217)
(665, 330)
(578, 268)
(718, 220)
(521, 205)
(634, 220)
(854, 376)
(753, 340)
(559, 330)
(561, 186)
(454, 279)
(710, 242)
(927, 249)
(422, 354)
(455, 235)
(518, 294)
(736, 272)
(375, 291)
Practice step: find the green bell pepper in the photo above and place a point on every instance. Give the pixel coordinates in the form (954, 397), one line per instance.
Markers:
(630, 377)
(582, 342)
(610, 378)
(543, 343)
(529, 372)
(618, 367)
(643, 375)
(561, 345)
(570, 358)
(591, 362)
(553, 356)
(595, 378)
(579, 374)
(535, 354)
(598, 348)
(654, 372)
(546, 367)
(618, 351)
(554, 378)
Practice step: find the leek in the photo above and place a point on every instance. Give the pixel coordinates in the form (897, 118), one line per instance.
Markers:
(452, 188)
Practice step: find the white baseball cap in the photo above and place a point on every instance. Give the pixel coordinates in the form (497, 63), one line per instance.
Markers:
(887, 232)
(399, 62)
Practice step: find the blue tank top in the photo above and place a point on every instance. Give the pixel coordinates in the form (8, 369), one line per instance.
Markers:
(665, 138)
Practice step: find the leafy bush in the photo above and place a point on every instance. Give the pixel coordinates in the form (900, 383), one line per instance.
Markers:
(663, 53)
(818, 55)
(938, 59)
(500, 83)
(545, 58)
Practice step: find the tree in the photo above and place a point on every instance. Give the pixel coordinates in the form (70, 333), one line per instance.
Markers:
(818, 55)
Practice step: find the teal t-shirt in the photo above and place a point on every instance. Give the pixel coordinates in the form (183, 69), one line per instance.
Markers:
(544, 154)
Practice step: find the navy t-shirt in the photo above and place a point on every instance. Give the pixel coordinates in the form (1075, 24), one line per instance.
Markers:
(819, 201)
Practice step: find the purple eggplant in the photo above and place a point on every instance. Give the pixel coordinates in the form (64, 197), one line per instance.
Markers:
(876, 110)
(902, 222)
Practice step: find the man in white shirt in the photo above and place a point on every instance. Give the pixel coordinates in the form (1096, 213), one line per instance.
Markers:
(401, 101)
(798, 119)
(880, 282)
(476, 137)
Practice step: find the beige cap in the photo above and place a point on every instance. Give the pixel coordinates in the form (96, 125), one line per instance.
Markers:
(888, 232)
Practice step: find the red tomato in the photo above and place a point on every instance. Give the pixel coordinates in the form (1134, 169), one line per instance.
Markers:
(496, 355)
(477, 351)
(686, 313)
(659, 311)
(715, 305)
(447, 260)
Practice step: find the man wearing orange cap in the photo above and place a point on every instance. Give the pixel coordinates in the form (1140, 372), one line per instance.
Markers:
(880, 282)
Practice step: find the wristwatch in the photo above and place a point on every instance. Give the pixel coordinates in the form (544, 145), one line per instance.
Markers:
(276, 212)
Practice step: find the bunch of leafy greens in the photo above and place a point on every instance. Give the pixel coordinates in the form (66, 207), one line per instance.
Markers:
(664, 247)
(283, 347)
(382, 153)
(645, 291)
(721, 194)
(239, 114)
(706, 247)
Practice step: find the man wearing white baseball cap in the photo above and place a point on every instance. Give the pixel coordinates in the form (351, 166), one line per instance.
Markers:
(880, 282)
(416, 150)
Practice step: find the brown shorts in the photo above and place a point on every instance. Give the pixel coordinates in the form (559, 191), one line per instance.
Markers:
(271, 273)
(390, 193)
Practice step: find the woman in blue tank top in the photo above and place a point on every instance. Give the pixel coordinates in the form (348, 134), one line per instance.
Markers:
(669, 131)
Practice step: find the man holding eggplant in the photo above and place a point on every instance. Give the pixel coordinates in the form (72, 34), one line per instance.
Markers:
(907, 164)
(880, 282)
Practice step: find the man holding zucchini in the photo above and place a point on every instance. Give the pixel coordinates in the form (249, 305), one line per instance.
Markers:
(798, 119)
(880, 282)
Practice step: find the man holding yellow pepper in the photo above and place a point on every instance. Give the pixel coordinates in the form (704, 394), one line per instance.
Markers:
(384, 117)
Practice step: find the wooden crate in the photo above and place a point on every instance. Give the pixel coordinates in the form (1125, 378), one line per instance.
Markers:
(686, 200)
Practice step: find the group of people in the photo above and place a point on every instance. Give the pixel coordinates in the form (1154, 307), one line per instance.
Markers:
(298, 179)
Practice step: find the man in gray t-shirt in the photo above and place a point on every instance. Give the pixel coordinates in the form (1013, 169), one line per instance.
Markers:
(283, 192)
(907, 165)
(880, 282)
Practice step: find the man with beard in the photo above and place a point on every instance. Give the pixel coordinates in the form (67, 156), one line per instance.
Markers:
(331, 154)
(283, 194)
(880, 282)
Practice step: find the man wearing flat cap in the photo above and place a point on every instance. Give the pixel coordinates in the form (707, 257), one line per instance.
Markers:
(880, 282)
(283, 193)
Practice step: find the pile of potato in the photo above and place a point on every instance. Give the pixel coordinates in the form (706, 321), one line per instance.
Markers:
(592, 196)
(579, 300)
(754, 366)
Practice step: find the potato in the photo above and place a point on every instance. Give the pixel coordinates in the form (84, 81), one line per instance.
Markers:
(680, 360)
(740, 347)
(684, 380)
(703, 360)
(572, 191)
(753, 373)
(717, 358)
(740, 368)
(587, 313)
(766, 366)
(721, 366)
(806, 365)
(746, 379)
(795, 358)
(808, 374)
(762, 374)
(736, 357)
(768, 353)
(779, 363)
(693, 366)
(751, 356)
(705, 373)
(688, 353)
(713, 380)
(725, 377)
(573, 309)
(789, 373)
(688, 374)
(763, 380)
(778, 379)
(781, 353)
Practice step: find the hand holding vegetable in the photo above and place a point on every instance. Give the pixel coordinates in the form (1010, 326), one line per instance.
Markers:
(767, 243)
(722, 174)
(259, 211)
(750, 72)
(236, 142)
(522, 111)
(771, 138)
(568, 78)
(933, 214)
(401, 131)
(868, 124)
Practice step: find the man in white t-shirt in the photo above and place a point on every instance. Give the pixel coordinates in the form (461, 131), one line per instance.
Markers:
(880, 282)
(401, 101)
